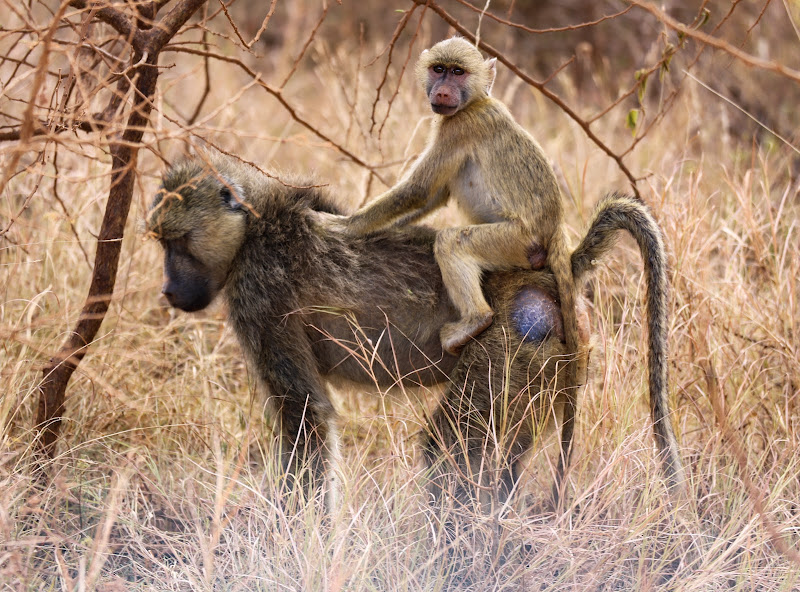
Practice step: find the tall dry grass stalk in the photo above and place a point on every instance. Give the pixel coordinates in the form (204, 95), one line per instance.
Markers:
(163, 478)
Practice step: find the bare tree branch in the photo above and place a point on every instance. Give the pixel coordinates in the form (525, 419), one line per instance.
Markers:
(720, 44)
(167, 27)
(124, 151)
(521, 27)
(399, 29)
(276, 92)
(113, 17)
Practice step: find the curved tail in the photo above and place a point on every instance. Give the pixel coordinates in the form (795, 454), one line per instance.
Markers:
(622, 212)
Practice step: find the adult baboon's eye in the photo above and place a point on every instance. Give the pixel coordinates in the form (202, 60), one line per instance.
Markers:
(458, 71)
(229, 199)
(438, 68)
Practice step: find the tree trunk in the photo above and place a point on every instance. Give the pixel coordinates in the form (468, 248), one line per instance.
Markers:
(147, 44)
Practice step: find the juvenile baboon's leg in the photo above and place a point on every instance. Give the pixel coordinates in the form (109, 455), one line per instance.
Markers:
(463, 255)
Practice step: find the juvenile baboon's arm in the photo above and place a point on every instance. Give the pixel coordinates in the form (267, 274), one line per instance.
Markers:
(400, 199)
(424, 189)
(436, 201)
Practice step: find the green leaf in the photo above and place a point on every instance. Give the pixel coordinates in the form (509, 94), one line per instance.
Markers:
(630, 121)
(704, 18)
(666, 58)
(641, 76)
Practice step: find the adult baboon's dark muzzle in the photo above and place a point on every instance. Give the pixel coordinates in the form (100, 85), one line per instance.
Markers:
(188, 285)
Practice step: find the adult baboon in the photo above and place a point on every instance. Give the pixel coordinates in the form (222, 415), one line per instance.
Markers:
(308, 302)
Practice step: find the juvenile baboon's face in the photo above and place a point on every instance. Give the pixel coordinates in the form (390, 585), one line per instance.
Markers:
(453, 74)
(199, 219)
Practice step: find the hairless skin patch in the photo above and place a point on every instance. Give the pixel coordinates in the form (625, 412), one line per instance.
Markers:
(536, 315)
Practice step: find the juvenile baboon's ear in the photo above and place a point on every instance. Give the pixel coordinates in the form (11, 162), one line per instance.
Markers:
(491, 68)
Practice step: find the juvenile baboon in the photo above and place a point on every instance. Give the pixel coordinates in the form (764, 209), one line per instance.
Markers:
(310, 304)
(479, 155)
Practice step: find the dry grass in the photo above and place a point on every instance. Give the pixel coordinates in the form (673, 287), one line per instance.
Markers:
(155, 488)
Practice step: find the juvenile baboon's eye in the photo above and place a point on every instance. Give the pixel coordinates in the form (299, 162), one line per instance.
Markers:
(458, 71)
(438, 68)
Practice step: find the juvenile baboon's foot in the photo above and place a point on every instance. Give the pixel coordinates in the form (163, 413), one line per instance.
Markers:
(454, 336)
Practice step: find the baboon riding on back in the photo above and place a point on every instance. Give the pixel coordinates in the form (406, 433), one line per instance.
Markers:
(308, 303)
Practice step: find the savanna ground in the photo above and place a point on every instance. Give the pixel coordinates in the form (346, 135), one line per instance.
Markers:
(155, 482)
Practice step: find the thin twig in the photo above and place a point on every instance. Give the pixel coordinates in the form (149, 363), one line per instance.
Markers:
(264, 23)
(228, 16)
(744, 111)
(302, 53)
(206, 85)
(277, 93)
(398, 29)
(402, 70)
(56, 177)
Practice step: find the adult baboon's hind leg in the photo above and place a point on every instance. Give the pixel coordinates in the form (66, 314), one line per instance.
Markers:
(570, 391)
(465, 453)
(565, 449)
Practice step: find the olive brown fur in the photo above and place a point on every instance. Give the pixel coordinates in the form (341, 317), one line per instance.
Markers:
(310, 305)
